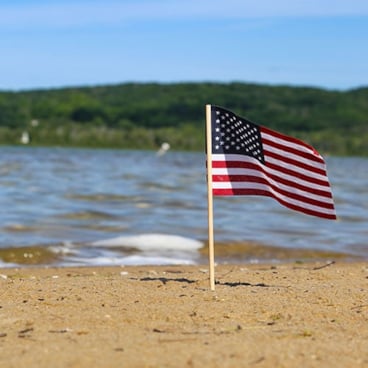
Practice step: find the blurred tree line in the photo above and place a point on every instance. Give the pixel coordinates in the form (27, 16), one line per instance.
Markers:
(143, 115)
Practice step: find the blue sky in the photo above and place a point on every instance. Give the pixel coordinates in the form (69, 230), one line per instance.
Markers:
(58, 43)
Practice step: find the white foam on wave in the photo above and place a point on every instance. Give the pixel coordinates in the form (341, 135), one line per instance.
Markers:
(137, 260)
(133, 260)
(147, 242)
(8, 264)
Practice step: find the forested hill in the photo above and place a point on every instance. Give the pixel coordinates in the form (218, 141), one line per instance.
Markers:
(144, 115)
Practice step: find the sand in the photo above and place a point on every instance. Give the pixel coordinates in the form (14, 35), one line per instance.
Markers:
(285, 315)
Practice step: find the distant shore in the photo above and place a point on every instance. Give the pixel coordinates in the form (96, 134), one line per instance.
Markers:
(144, 115)
(285, 315)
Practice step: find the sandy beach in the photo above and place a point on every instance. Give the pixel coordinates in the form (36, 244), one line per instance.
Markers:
(284, 315)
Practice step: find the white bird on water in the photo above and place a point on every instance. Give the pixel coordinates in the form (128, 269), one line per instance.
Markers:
(25, 139)
(163, 149)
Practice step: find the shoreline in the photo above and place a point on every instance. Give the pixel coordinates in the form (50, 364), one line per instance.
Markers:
(227, 252)
(313, 314)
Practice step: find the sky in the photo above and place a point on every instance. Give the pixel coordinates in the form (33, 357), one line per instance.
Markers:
(65, 43)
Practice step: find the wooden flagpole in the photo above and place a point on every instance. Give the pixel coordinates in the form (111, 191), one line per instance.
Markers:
(211, 252)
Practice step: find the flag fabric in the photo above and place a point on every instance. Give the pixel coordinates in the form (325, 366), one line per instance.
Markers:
(248, 159)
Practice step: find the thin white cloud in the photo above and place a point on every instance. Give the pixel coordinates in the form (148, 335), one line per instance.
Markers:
(86, 13)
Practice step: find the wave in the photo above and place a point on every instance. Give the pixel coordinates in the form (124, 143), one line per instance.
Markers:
(154, 241)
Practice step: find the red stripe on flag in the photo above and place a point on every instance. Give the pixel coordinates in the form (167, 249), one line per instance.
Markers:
(231, 192)
(282, 170)
(293, 162)
(289, 139)
(245, 178)
(255, 179)
(292, 150)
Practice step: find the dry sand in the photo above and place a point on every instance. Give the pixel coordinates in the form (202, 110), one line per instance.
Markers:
(289, 315)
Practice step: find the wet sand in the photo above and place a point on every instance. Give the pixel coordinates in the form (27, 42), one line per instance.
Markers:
(284, 315)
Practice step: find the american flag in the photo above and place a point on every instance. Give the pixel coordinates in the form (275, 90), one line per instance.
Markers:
(248, 159)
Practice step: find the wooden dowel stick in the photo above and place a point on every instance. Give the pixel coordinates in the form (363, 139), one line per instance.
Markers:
(211, 252)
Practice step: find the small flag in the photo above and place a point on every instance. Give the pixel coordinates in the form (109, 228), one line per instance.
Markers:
(248, 159)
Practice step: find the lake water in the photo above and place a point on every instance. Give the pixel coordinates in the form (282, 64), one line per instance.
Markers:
(64, 207)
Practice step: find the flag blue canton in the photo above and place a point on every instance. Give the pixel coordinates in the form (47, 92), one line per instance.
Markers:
(232, 134)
